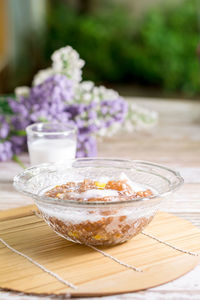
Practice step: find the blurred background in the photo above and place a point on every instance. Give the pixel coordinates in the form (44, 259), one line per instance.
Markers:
(140, 48)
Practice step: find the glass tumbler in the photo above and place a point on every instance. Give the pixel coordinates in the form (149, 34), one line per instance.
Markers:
(51, 142)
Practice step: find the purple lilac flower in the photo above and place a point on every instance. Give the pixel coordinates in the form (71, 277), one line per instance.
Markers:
(19, 123)
(75, 110)
(53, 101)
(18, 144)
(45, 101)
(50, 98)
(4, 127)
(87, 146)
(56, 88)
(5, 151)
(89, 120)
(17, 126)
(21, 107)
(57, 99)
(95, 116)
(116, 110)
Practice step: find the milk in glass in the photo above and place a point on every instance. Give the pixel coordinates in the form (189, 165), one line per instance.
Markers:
(53, 150)
(51, 142)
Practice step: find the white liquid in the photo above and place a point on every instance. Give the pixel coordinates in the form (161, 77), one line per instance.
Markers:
(51, 150)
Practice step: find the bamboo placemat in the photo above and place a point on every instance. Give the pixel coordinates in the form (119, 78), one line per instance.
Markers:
(91, 272)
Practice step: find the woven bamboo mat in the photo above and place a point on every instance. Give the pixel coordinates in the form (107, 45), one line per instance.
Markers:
(91, 272)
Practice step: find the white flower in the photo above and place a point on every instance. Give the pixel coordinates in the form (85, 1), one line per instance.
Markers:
(96, 91)
(87, 92)
(109, 132)
(128, 126)
(42, 75)
(87, 97)
(66, 60)
(22, 91)
(107, 94)
(84, 92)
(87, 85)
(139, 118)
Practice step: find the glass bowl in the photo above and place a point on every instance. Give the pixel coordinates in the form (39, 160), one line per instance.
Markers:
(97, 223)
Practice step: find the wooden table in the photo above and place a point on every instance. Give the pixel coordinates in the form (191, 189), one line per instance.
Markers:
(175, 142)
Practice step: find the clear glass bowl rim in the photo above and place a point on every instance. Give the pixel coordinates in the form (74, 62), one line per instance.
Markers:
(18, 179)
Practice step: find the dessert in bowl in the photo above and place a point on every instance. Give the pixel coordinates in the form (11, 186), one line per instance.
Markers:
(98, 201)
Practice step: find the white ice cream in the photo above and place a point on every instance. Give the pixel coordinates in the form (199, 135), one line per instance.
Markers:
(135, 186)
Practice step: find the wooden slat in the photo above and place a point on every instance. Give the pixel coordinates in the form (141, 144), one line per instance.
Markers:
(93, 273)
(17, 212)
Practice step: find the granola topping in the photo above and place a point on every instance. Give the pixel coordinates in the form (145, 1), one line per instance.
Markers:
(91, 190)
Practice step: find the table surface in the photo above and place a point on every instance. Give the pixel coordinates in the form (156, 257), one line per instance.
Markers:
(175, 142)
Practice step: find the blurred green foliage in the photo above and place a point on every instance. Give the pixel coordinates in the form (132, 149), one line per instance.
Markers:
(160, 50)
(4, 106)
(165, 48)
